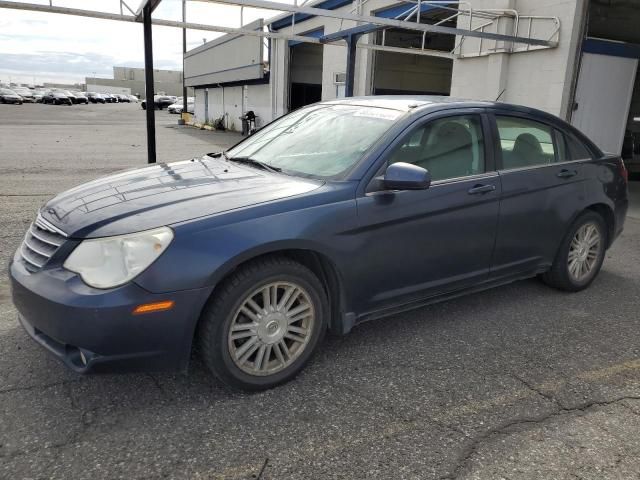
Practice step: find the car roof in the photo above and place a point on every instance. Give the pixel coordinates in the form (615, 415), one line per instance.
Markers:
(420, 103)
(405, 103)
(415, 105)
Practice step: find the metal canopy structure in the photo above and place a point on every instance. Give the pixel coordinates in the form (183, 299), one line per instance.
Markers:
(502, 27)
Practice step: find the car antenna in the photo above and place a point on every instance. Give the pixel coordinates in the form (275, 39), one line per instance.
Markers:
(498, 97)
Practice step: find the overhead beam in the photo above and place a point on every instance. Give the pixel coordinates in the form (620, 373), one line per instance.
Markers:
(388, 22)
(409, 51)
(34, 7)
(260, 33)
(343, 34)
(151, 5)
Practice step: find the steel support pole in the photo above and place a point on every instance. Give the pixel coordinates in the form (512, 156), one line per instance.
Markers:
(184, 51)
(352, 41)
(149, 87)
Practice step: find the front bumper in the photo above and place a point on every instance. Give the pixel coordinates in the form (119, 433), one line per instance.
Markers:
(92, 330)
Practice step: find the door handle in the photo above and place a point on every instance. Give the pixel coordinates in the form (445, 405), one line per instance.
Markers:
(478, 189)
(564, 173)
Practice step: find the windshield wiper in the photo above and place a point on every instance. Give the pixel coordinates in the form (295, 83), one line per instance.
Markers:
(253, 162)
(217, 155)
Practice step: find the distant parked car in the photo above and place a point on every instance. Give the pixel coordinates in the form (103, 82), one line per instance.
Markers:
(25, 93)
(160, 101)
(123, 98)
(95, 97)
(114, 98)
(178, 106)
(38, 94)
(133, 98)
(81, 97)
(9, 96)
(69, 95)
(57, 98)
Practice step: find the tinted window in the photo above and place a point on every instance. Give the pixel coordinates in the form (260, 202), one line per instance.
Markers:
(570, 148)
(524, 143)
(448, 147)
(576, 149)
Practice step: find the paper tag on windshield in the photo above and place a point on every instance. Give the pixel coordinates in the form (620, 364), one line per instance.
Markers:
(382, 113)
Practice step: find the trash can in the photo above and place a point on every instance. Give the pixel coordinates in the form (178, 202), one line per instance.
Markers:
(248, 122)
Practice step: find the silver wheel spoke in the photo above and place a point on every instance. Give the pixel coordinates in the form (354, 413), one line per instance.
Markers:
(248, 346)
(250, 314)
(299, 309)
(288, 293)
(284, 349)
(266, 298)
(294, 337)
(244, 326)
(279, 355)
(253, 306)
(300, 330)
(292, 300)
(242, 334)
(259, 357)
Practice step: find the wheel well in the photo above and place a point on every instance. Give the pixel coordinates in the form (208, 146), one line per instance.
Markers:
(321, 266)
(607, 214)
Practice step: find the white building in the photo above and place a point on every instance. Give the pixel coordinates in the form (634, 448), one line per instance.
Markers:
(132, 80)
(592, 68)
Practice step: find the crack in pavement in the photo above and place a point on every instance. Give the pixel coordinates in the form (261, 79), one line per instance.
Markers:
(36, 387)
(508, 427)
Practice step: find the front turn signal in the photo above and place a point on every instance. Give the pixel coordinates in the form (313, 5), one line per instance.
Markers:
(154, 307)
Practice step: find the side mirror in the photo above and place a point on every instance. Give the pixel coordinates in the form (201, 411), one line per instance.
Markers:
(405, 176)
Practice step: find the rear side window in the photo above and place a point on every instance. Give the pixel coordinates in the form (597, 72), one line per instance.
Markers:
(525, 143)
(576, 149)
(570, 148)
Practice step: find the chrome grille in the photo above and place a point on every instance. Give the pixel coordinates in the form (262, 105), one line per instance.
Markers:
(40, 243)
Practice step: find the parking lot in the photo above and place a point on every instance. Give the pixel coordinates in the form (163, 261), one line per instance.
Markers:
(519, 382)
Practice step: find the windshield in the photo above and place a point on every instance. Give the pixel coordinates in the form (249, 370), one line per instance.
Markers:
(321, 140)
(6, 91)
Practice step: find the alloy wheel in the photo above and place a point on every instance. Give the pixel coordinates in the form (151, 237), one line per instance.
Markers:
(584, 251)
(271, 328)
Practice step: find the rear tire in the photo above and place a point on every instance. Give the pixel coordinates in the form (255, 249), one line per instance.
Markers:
(581, 254)
(263, 324)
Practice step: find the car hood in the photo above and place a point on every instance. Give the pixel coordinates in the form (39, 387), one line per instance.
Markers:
(165, 194)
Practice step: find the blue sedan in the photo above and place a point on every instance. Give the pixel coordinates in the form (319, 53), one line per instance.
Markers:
(335, 214)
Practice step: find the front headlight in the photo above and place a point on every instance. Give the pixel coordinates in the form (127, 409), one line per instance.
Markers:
(111, 261)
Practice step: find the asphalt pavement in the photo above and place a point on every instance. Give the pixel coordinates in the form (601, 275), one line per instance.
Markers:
(519, 382)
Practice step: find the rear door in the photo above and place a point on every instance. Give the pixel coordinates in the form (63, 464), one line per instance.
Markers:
(542, 189)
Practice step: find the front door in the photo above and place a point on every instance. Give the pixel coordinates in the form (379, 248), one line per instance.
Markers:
(423, 242)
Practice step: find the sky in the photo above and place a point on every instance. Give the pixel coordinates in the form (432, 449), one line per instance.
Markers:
(48, 47)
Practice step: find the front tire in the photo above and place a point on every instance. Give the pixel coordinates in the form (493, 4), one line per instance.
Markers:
(581, 254)
(263, 324)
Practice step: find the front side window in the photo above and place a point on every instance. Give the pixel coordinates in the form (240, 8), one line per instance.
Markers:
(320, 140)
(525, 143)
(449, 147)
